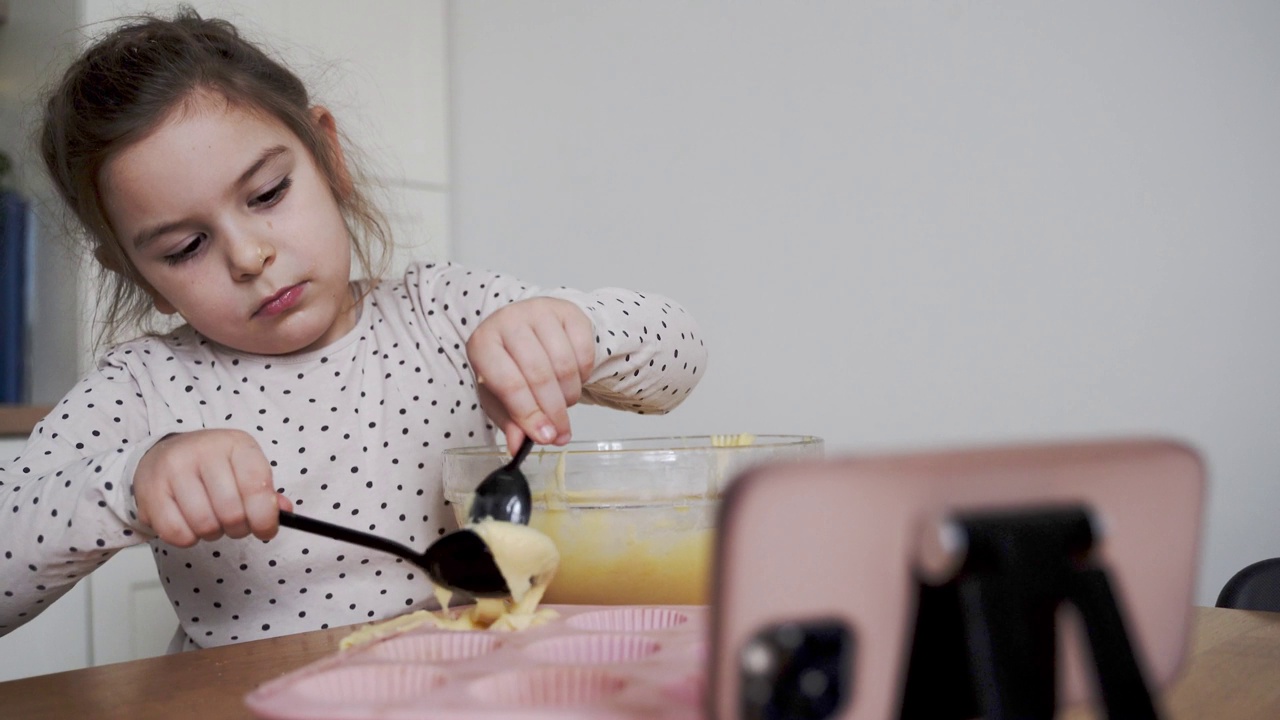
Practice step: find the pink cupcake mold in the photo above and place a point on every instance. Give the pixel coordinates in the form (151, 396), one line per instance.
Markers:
(357, 685)
(629, 619)
(593, 649)
(590, 663)
(548, 687)
(424, 647)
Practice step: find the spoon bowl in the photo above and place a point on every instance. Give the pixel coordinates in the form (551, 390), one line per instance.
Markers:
(504, 493)
(463, 561)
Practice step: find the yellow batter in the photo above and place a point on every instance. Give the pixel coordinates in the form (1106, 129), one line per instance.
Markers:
(739, 440)
(659, 555)
(525, 556)
(611, 555)
(527, 560)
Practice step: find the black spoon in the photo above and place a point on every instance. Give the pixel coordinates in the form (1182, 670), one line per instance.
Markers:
(504, 494)
(460, 560)
(457, 561)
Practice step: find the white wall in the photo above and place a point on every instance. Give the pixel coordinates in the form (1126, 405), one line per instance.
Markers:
(909, 224)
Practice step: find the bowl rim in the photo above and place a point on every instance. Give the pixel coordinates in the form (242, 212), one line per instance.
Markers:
(592, 447)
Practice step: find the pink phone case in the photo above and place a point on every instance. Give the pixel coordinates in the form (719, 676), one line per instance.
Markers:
(848, 540)
(624, 662)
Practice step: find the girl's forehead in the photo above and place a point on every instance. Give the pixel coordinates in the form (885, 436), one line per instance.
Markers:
(201, 135)
(204, 153)
(205, 113)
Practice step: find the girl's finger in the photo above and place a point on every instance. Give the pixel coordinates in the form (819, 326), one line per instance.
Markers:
(223, 492)
(564, 361)
(498, 373)
(168, 523)
(197, 512)
(253, 482)
(537, 370)
(580, 332)
(494, 409)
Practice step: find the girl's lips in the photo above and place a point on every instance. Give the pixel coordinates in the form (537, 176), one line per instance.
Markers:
(281, 301)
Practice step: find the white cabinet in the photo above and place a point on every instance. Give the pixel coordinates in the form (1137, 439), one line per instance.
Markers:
(129, 615)
(381, 68)
(55, 641)
(119, 613)
(58, 640)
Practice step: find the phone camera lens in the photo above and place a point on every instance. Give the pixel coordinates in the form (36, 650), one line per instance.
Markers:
(797, 671)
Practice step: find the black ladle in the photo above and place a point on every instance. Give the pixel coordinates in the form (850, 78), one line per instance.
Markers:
(460, 560)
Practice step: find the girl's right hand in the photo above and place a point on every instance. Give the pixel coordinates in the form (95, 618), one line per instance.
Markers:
(205, 484)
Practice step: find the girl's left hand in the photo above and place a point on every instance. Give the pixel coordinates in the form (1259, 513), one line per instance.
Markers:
(531, 359)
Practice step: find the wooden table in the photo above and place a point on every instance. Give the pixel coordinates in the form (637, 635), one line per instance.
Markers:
(1234, 672)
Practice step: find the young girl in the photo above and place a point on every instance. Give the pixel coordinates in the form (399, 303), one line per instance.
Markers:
(211, 188)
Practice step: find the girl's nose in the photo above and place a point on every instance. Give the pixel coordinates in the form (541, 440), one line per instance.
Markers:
(251, 257)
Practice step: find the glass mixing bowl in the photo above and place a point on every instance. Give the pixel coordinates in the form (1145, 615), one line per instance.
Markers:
(634, 518)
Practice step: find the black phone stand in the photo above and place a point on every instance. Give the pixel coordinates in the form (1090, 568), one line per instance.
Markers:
(985, 641)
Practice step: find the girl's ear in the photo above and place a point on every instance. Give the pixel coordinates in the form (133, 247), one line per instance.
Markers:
(329, 130)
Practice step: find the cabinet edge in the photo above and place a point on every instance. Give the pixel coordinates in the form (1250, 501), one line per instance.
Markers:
(18, 420)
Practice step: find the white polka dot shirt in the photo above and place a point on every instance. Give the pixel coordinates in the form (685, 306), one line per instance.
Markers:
(354, 434)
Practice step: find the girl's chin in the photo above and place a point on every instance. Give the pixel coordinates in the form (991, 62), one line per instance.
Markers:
(297, 332)
(313, 341)
(279, 343)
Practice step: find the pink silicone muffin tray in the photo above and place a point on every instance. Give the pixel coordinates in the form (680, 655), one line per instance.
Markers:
(593, 661)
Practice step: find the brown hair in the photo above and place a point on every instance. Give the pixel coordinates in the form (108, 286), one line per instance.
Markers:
(132, 79)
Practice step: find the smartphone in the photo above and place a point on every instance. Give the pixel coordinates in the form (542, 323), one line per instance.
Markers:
(836, 582)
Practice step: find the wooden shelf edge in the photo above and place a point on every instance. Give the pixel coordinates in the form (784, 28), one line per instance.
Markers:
(18, 420)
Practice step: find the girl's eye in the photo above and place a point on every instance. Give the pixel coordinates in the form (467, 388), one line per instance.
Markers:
(188, 251)
(274, 195)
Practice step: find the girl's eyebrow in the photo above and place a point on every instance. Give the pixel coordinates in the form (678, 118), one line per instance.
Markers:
(146, 235)
(267, 156)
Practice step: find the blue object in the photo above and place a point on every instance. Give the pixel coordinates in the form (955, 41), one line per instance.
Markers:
(13, 297)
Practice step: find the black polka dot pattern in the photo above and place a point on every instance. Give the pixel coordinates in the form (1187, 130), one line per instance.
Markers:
(353, 432)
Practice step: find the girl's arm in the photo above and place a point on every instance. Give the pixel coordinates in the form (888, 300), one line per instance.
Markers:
(66, 499)
(648, 351)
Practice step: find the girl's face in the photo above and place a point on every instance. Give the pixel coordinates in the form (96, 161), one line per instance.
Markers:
(233, 226)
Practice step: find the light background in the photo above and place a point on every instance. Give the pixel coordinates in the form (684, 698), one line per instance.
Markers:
(910, 224)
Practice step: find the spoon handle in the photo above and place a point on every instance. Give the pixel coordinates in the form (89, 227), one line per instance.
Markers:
(345, 534)
(521, 453)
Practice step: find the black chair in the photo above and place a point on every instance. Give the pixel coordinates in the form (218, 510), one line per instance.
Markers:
(1256, 587)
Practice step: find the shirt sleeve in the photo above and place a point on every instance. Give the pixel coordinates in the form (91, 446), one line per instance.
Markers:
(650, 352)
(67, 497)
